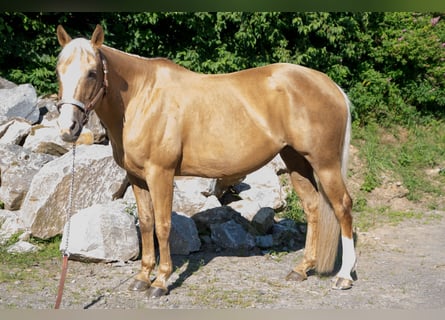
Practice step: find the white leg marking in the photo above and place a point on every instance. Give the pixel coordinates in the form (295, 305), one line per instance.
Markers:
(348, 258)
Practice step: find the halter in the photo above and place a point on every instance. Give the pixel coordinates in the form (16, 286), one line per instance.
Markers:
(90, 105)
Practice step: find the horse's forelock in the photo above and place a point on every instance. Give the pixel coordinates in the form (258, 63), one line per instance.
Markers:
(75, 48)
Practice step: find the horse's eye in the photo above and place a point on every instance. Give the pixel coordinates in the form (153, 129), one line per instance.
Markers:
(92, 74)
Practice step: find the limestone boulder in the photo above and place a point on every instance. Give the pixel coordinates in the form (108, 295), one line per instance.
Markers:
(22, 247)
(96, 128)
(18, 166)
(263, 187)
(97, 180)
(188, 194)
(45, 138)
(14, 131)
(19, 102)
(6, 84)
(102, 233)
(10, 224)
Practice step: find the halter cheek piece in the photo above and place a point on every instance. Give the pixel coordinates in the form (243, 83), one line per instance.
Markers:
(90, 105)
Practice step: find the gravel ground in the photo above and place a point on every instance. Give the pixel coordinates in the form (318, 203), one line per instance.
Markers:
(399, 267)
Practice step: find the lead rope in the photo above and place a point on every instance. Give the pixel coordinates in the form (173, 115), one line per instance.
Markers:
(65, 252)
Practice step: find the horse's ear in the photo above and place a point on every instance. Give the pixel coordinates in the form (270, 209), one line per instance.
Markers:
(62, 36)
(98, 37)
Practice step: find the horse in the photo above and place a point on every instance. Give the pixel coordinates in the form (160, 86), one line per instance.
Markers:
(164, 120)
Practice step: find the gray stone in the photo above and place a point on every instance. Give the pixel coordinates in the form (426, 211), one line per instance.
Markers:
(45, 138)
(263, 187)
(102, 233)
(22, 247)
(278, 165)
(14, 131)
(184, 237)
(231, 235)
(219, 215)
(246, 207)
(10, 224)
(6, 84)
(95, 126)
(188, 194)
(286, 233)
(18, 166)
(263, 220)
(264, 242)
(19, 102)
(218, 187)
(210, 203)
(97, 179)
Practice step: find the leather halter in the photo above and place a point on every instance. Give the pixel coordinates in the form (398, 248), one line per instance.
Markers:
(99, 94)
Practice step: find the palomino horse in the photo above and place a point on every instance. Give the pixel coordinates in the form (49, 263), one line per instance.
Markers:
(164, 120)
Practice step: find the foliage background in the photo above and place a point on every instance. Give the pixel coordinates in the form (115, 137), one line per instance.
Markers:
(392, 64)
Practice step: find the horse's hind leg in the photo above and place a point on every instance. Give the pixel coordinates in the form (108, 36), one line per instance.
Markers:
(335, 189)
(302, 178)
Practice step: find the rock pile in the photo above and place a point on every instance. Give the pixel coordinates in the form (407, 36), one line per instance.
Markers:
(35, 178)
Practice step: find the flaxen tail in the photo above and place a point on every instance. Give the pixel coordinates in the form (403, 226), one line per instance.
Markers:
(329, 228)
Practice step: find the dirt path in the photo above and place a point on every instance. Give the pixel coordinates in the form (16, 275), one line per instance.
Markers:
(399, 267)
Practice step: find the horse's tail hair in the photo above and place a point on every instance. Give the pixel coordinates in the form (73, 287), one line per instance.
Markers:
(328, 226)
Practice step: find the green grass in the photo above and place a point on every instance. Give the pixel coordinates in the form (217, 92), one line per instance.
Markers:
(408, 153)
(403, 153)
(16, 266)
(372, 218)
(294, 209)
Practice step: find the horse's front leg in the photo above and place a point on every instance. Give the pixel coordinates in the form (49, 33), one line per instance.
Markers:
(146, 224)
(160, 182)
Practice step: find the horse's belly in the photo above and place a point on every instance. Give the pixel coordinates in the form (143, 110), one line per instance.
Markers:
(234, 160)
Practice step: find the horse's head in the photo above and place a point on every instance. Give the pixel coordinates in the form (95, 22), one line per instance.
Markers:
(82, 75)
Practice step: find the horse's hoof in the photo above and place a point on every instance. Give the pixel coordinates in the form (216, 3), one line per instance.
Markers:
(155, 292)
(295, 276)
(341, 284)
(139, 285)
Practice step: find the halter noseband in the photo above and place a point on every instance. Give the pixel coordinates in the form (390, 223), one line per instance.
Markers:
(90, 105)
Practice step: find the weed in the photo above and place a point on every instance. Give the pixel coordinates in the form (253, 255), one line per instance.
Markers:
(371, 218)
(422, 146)
(48, 249)
(294, 209)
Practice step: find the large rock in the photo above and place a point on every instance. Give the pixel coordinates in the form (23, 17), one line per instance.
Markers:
(45, 138)
(14, 131)
(263, 220)
(6, 84)
(22, 247)
(19, 102)
(18, 166)
(219, 215)
(263, 187)
(97, 179)
(188, 194)
(10, 224)
(184, 237)
(287, 234)
(246, 207)
(231, 235)
(102, 233)
(97, 129)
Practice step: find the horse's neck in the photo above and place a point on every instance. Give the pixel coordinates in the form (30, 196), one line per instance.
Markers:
(119, 92)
